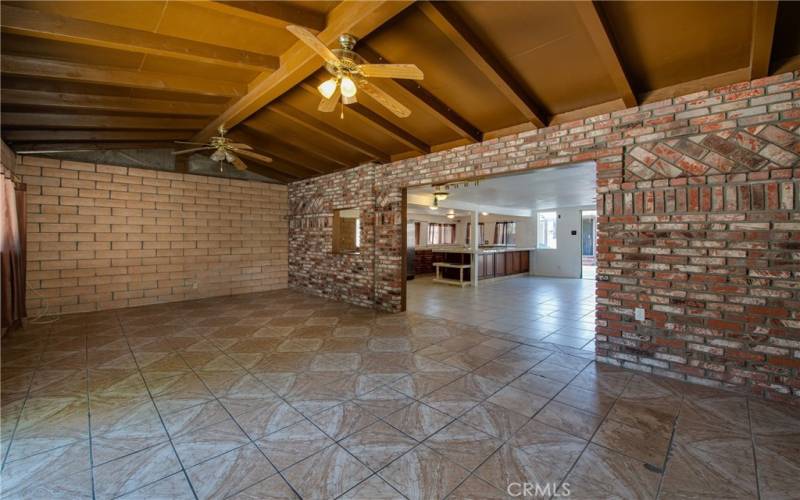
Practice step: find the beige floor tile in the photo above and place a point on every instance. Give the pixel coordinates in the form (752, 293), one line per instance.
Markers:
(273, 488)
(373, 488)
(568, 419)
(522, 402)
(292, 444)
(710, 468)
(778, 464)
(226, 474)
(131, 472)
(463, 444)
(378, 444)
(343, 420)
(592, 401)
(173, 487)
(602, 473)
(475, 488)
(268, 418)
(61, 472)
(494, 420)
(418, 420)
(326, 474)
(422, 474)
(198, 445)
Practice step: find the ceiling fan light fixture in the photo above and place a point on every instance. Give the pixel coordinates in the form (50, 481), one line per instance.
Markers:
(218, 155)
(451, 216)
(348, 87)
(327, 88)
(440, 195)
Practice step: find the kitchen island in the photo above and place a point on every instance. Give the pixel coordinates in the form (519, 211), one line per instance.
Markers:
(492, 262)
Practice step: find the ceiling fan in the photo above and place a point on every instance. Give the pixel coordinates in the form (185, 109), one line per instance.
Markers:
(225, 150)
(350, 72)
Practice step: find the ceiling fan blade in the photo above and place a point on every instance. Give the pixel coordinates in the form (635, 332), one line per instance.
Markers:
(255, 156)
(312, 41)
(384, 99)
(240, 145)
(328, 105)
(237, 163)
(193, 143)
(405, 71)
(192, 150)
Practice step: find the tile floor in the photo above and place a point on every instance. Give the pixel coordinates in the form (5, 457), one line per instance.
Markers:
(283, 395)
(530, 309)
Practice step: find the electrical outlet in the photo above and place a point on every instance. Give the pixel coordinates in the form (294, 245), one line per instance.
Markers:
(195, 285)
(639, 314)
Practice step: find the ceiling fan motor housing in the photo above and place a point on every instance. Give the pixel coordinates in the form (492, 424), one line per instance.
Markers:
(348, 59)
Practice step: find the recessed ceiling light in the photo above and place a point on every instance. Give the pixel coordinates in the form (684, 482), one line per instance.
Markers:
(451, 216)
(484, 213)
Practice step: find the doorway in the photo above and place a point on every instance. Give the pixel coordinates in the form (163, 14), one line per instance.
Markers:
(589, 244)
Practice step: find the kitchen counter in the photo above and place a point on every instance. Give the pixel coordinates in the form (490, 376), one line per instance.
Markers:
(447, 249)
(487, 262)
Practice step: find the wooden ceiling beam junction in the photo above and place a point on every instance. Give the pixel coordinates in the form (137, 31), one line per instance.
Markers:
(413, 90)
(57, 70)
(68, 121)
(273, 14)
(460, 35)
(37, 24)
(63, 100)
(765, 13)
(299, 61)
(597, 28)
(323, 129)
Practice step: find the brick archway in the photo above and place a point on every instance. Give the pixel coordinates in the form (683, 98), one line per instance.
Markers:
(698, 223)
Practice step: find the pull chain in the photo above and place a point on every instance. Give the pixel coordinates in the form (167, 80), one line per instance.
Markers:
(341, 113)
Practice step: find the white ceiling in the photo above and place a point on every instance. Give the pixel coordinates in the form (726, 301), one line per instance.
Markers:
(545, 189)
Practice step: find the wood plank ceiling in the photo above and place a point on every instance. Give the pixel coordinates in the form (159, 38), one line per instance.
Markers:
(106, 75)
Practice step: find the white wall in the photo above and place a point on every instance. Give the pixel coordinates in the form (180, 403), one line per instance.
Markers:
(565, 260)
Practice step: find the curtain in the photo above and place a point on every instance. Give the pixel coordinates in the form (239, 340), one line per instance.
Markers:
(12, 252)
(480, 233)
(505, 233)
(441, 234)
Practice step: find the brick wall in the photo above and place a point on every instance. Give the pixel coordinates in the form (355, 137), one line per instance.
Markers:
(103, 237)
(698, 223)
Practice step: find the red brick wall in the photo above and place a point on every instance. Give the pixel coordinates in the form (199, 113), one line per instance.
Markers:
(698, 224)
(103, 237)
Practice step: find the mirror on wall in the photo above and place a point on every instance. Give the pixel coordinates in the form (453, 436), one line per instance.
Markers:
(346, 230)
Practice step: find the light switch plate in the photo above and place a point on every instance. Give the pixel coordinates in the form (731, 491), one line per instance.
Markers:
(639, 314)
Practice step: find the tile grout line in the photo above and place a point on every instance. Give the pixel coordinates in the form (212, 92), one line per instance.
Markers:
(158, 412)
(13, 436)
(753, 444)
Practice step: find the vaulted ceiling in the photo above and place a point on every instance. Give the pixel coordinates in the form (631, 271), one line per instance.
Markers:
(124, 75)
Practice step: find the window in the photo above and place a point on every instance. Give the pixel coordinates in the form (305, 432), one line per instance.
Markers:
(480, 233)
(546, 230)
(346, 230)
(505, 233)
(441, 234)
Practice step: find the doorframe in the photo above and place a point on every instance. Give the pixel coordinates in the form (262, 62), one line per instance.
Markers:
(594, 239)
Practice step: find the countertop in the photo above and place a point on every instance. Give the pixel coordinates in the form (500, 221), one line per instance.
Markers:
(481, 251)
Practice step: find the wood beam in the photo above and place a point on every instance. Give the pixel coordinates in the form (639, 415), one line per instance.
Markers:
(62, 121)
(299, 62)
(57, 70)
(94, 135)
(765, 13)
(36, 24)
(323, 129)
(479, 54)
(274, 14)
(62, 100)
(374, 120)
(597, 28)
(414, 91)
(283, 152)
(705, 83)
